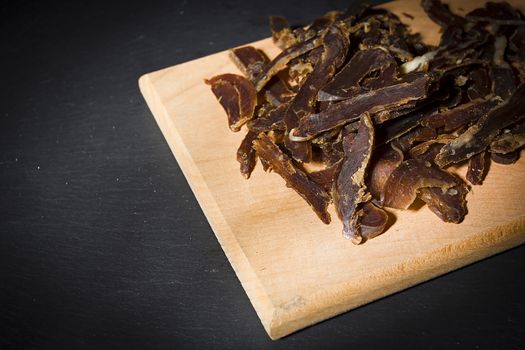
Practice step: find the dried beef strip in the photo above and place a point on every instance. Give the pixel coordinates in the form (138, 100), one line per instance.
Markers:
(480, 135)
(401, 188)
(449, 205)
(462, 115)
(272, 121)
(295, 178)
(251, 61)
(281, 32)
(350, 80)
(476, 168)
(373, 221)
(384, 162)
(335, 48)
(349, 191)
(326, 176)
(389, 98)
(236, 95)
(280, 62)
(441, 14)
(510, 140)
(246, 154)
(506, 158)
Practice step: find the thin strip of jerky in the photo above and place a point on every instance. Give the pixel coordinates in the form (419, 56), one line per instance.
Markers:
(503, 81)
(325, 177)
(450, 205)
(280, 62)
(480, 135)
(510, 140)
(506, 159)
(420, 134)
(462, 115)
(408, 178)
(373, 221)
(272, 121)
(246, 154)
(476, 168)
(295, 178)
(389, 98)
(250, 61)
(281, 32)
(236, 95)
(348, 81)
(349, 191)
(441, 14)
(335, 48)
(397, 127)
(480, 85)
(384, 161)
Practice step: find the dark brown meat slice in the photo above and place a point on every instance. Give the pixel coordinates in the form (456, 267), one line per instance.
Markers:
(389, 98)
(510, 140)
(325, 177)
(335, 48)
(349, 191)
(506, 158)
(364, 63)
(450, 205)
(384, 161)
(373, 221)
(462, 115)
(441, 14)
(407, 179)
(503, 81)
(281, 32)
(397, 127)
(251, 61)
(476, 168)
(280, 62)
(236, 95)
(480, 85)
(246, 154)
(295, 178)
(480, 135)
(272, 121)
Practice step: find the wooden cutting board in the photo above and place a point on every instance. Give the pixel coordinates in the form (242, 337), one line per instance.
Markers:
(296, 270)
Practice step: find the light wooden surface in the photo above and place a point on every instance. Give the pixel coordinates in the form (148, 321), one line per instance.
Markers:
(296, 270)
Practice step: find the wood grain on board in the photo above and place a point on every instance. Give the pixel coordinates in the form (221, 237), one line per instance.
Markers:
(296, 270)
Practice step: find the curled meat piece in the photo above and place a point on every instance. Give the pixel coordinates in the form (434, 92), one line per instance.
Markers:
(295, 178)
(449, 205)
(505, 158)
(480, 135)
(349, 192)
(476, 168)
(462, 115)
(407, 179)
(236, 95)
(281, 32)
(279, 63)
(383, 163)
(510, 140)
(367, 67)
(373, 221)
(246, 154)
(388, 98)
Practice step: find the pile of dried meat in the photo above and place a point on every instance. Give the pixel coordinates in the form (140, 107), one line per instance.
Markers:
(358, 111)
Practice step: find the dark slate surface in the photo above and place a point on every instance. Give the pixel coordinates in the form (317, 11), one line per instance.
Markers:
(103, 245)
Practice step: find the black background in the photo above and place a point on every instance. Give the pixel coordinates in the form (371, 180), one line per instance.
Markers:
(103, 245)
